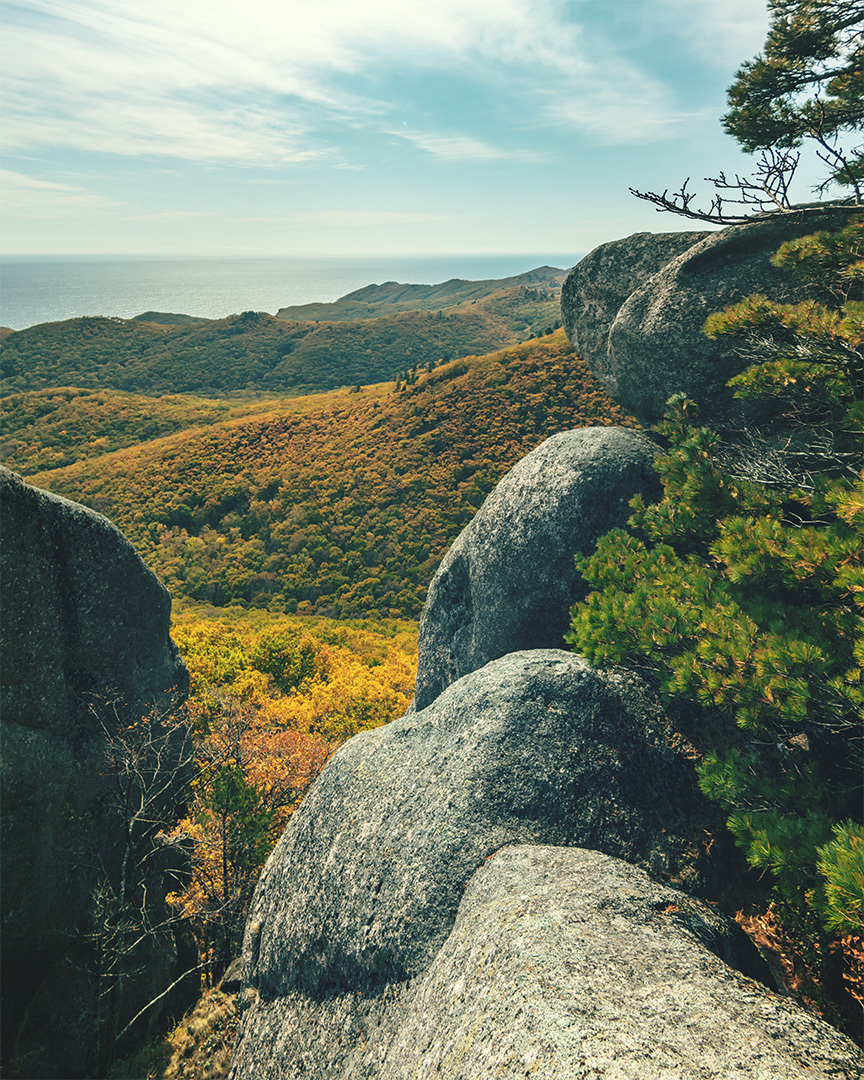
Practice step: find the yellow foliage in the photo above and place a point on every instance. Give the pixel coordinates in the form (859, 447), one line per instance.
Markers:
(259, 747)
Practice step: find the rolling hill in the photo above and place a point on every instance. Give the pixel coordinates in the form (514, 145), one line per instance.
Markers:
(542, 284)
(255, 353)
(340, 505)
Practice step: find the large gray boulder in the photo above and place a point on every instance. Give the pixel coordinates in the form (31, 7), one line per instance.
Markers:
(536, 747)
(509, 580)
(654, 344)
(561, 963)
(86, 652)
(597, 286)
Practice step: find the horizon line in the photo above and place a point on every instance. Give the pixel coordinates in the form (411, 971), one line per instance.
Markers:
(269, 258)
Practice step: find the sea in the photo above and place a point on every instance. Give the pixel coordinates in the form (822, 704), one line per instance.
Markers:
(38, 289)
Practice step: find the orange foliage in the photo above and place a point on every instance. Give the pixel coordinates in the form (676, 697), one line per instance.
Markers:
(262, 736)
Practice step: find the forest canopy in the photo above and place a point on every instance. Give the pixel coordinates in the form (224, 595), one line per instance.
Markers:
(340, 505)
(254, 353)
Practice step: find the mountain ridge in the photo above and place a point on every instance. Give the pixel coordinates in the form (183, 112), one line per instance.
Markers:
(258, 353)
(394, 295)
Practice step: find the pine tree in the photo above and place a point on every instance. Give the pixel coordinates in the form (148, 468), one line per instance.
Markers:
(740, 593)
(808, 83)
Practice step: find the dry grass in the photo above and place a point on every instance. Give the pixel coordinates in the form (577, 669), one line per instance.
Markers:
(199, 1047)
(800, 975)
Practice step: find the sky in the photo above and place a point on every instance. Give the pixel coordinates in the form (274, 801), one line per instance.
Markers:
(288, 128)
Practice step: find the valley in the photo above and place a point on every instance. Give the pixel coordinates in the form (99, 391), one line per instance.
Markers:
(340, 504)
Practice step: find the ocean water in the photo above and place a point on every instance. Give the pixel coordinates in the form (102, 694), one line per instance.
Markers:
(42, 289)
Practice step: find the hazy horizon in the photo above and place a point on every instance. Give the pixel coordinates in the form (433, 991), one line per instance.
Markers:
(41, 288)
(192, 256)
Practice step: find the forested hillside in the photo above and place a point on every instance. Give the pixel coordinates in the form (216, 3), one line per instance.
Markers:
(342, 505)
(255, 353)
(271, 699)
(47, 429)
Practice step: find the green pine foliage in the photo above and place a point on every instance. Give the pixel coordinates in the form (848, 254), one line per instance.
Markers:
(807, 83)
(809, 369)
(742, 598)
(841, 867)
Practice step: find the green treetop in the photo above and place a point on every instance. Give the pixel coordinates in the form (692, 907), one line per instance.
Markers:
(808, 83)
(740, 593)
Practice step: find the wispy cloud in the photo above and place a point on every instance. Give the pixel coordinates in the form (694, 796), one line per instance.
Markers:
(262, 81)
(722, 35)
(455, 147)
(354, 219)
(159, 127)
(610, 117)
(28, 197)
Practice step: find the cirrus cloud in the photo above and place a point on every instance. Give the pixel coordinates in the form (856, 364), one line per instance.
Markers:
(29, 197)
(275, 82)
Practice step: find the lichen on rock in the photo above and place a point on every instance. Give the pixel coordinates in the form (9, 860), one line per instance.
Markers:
(509, 580)
(647, 345)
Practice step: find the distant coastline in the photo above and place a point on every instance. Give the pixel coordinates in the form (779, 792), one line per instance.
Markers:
(37, 289)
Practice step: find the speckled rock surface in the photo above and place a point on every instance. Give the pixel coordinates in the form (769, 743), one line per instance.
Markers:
(535, 747)
(598, 285)
(562, 964)
(509, 580)
(85, 626)
(362, 890)
(656, 347)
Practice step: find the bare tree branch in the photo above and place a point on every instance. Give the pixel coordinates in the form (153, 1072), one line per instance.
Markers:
(158, 998)
(765, 193)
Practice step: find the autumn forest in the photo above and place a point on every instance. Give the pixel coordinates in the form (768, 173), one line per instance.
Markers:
(296, 531)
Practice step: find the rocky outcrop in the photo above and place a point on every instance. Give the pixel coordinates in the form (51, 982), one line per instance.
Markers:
(566, 963)
(597, 286)
(509, 580)
(536, 747)
(407, 925)
(654, 346)
(86, 654)
(561, 963)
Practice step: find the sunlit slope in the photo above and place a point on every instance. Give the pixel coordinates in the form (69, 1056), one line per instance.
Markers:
(537, 286)
(343, 506)
(47, 429)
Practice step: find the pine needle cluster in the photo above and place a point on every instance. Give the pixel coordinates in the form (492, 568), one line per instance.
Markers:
(740, 593)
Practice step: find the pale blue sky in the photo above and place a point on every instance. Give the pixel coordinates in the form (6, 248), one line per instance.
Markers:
(355, 127)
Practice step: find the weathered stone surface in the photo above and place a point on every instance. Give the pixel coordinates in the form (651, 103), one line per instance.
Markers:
(656, 347)
(85, 642)
(562, 964)
(599, 284)
(509, 580)
(363, 886)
